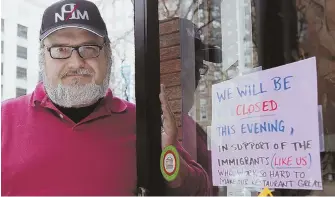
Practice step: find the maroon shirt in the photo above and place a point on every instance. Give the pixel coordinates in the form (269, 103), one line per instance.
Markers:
(46, 153)
(195, 138)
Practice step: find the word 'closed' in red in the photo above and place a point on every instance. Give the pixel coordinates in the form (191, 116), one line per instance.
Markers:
(264, 106)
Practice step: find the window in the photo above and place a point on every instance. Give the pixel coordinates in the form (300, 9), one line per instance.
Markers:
(1, 68)
(22, 31)
(21, 52)
(2, 25)
(2, 46)
(21, 73)
(20, 92)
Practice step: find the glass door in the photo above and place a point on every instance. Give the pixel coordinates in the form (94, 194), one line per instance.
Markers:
(225, 41)
(232, 39)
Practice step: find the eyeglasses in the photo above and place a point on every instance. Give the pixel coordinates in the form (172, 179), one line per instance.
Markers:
(85, 51)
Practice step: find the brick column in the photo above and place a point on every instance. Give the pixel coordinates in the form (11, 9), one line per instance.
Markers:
(170, 64)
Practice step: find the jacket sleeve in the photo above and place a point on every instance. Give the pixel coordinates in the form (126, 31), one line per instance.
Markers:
(195, 180)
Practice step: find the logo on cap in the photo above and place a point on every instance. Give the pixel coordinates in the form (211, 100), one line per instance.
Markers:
(71, 12)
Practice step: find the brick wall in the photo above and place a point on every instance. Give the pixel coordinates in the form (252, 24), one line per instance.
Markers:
(170, 64)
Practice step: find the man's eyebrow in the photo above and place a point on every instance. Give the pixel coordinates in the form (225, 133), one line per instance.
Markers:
(57, 45)
(91, 42)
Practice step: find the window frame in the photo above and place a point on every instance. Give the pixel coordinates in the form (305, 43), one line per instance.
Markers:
(2, 25)
(24, 76)
(147, 88)
(18, 93)
(22, 31)
(17, 52)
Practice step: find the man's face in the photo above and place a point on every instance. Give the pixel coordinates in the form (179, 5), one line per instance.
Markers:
(75, 81)
(56, 69)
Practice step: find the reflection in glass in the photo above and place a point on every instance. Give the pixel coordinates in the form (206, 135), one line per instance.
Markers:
(231, 26)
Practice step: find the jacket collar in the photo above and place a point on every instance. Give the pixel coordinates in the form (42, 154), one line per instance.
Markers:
(110, 103)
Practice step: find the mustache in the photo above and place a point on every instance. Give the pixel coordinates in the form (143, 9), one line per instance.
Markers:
(77, 72)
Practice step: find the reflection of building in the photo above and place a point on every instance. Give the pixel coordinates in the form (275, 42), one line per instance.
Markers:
(203, 101)
(20, 24)
(316, 31)
(118, 16)
(237, 47)
(127, 86)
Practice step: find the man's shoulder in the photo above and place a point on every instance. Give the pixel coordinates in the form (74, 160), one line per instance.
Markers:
(18, 102)
(15, 108)
(129, 104)
(122, 105)
(125, 109)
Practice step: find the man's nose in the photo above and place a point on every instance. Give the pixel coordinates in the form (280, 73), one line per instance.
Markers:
(75, 60)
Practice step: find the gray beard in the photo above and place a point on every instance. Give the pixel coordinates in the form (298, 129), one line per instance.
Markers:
(76, 95)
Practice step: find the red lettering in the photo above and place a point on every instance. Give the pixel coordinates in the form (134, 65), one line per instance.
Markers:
(301, 161)
(283, 161)
(304, 161)
(273, 105)
(258, 107)
(287, 161)
(237, 111)
(264, 106)
(251, 109)
(243, 109)
(290, 161)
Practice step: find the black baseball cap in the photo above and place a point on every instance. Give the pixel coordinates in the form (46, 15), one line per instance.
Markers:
(72, 13)
(207, 52)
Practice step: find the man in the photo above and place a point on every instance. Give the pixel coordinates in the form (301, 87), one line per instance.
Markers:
(195, 138)
(71, 136)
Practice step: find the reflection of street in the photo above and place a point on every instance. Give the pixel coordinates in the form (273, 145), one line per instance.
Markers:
(315, 36)
(127, 79)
